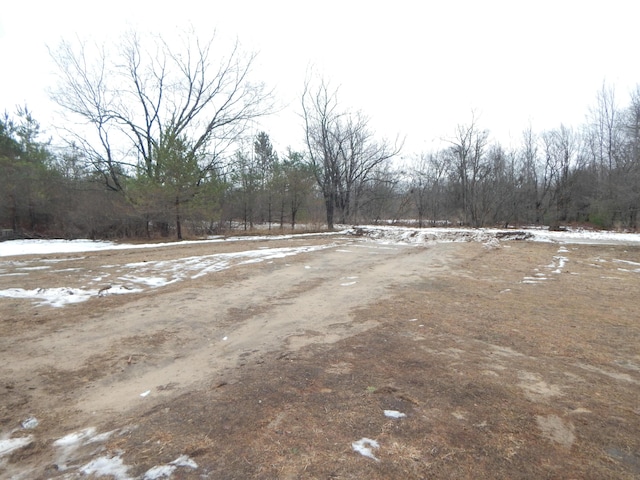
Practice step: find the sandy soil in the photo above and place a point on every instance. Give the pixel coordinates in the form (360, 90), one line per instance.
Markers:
(506, 361)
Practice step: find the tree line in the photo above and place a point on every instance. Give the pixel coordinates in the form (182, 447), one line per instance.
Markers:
(158, 141)
(585, 175)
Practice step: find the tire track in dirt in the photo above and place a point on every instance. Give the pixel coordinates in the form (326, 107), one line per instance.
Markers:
(287, 305)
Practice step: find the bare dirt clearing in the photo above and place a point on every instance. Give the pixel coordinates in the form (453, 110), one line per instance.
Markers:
(509, 360)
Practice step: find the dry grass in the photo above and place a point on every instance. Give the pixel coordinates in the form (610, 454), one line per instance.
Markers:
(497, 378)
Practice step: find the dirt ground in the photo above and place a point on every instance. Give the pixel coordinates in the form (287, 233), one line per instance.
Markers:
(508, 360)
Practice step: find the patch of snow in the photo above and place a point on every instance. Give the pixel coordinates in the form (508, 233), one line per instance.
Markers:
(626, 261)
(146, 275)
(145, 394)
(148, 281)
(587, 237)
(538, 278)
(347, 284)
(492, 243)
(60, 296)
(561, 262)
(362, 447)
(161, 471)
(9, 445)
(73, 441)
(107, 466)
(102, 437)
(211, 268)
(119, 290)
(56, 297)
(75, 437)
(184, 461)
(635, 270)
(394, 414)
(39, 247)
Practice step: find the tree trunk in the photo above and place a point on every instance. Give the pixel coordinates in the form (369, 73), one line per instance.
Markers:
(178, 222)
(282, 214)
(330, 205)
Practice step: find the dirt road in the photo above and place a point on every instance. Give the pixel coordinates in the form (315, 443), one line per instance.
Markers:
(507, 360)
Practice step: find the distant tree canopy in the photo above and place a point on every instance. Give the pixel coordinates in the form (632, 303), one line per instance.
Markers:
(27, 182)
(170, 151)
(564, 175)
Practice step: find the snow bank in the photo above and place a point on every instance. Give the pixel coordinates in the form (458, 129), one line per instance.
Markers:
(41, 247)
(404, 235)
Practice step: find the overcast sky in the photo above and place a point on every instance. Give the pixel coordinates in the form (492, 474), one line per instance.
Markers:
(417, 68)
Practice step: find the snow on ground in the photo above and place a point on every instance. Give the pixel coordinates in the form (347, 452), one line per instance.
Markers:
(61, 296)
(558, 262)
(630, 263)
(8, 445)
(389, 234)
(394, 414)
(364, 446)
(138, 277)
(68, 450)
(40, 247)
(114, 467)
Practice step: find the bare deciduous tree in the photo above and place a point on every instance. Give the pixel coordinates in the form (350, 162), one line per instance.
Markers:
(150, 94)
(427, 186)
(467, 150)
(145, 92)
(342, 151)
(560, 146)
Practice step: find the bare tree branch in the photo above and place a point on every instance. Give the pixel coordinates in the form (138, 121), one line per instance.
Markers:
(151, 89)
